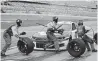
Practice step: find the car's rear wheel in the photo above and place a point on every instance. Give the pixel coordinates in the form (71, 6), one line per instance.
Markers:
(76, 47)
(95, 37)
(25, 45)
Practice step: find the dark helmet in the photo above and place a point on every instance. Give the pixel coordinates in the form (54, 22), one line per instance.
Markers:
(55, 19)
(18, 21)
(80, 22)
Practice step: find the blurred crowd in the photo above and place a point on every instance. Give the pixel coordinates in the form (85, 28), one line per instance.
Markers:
(45, 8)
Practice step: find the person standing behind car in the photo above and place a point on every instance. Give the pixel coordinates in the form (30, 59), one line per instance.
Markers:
(8, 33)
(81, 31)
(51, 27)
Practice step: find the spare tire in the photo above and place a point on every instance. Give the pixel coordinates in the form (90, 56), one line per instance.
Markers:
(76, 47)
(25, 45)
(95, 37)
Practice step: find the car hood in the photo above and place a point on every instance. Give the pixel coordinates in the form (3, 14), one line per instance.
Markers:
(44, 35)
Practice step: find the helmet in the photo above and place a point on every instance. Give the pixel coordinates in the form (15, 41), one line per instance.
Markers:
(18, 21)
(55, 19)
(80, 22)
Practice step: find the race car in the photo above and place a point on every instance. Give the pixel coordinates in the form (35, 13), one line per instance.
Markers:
(39, 39)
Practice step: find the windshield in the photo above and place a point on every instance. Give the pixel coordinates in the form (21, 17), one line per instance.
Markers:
(66, 27)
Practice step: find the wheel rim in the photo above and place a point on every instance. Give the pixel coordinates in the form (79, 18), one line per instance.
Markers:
(23, 47)
(75, 47)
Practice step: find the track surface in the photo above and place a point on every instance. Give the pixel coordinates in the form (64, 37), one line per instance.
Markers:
(50, 56)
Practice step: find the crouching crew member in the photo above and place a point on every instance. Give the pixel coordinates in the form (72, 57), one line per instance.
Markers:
(51, 28)
(81, 31)
(8, 33)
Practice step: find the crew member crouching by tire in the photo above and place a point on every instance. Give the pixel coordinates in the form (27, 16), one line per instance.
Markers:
(51, 27)
(8, 33)
(81, 31)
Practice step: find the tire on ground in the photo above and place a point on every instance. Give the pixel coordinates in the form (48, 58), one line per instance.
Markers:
(25, 45)
(80, 43)
(95, 37)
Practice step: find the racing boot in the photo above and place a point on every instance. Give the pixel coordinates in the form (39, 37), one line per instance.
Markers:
(94, 50)
(57, 51)
(3, 55)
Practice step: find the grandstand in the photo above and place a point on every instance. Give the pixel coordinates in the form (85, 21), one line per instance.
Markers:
(87, 9)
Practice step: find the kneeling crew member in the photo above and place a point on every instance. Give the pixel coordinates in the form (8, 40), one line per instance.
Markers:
(81, 31)
(51, 27)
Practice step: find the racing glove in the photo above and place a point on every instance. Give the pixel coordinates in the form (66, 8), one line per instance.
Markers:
(16, 35)
(23, 33)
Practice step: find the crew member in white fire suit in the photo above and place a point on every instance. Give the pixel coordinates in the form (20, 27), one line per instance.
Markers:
(8, 33)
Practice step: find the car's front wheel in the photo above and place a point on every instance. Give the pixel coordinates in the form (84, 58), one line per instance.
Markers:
(25, 45)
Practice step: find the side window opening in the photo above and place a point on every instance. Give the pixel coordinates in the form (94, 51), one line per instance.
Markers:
(73, 26)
